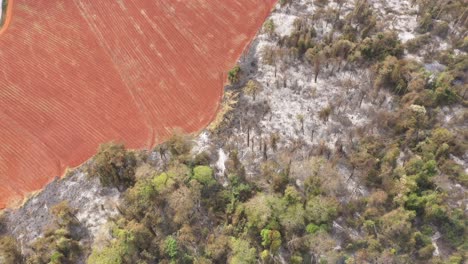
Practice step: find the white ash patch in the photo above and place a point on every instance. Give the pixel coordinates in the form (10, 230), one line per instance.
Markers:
(405, 36)
(221, 166)
(453, 117)
(298, 7)
(414, 57)
(284, 23)
(434, 67)
(202, 143)
(302, 97)
(443, 45)
(399, 15)
(434, 239)
(93, 202)
(262, 42)
(95, 212)
(461, 162)
(294, 101)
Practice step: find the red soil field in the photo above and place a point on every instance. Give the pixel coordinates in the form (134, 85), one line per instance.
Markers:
(77, 73)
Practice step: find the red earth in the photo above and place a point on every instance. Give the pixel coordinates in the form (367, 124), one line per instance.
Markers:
(77, 73)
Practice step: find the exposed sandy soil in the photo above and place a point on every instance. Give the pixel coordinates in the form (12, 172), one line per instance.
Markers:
(78, 73)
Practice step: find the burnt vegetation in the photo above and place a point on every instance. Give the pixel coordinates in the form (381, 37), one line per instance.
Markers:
(292, 205)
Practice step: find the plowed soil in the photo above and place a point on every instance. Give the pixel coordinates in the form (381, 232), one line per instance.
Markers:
(77, 73)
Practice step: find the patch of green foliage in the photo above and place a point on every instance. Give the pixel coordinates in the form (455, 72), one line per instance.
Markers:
(114, 166)
(233, 74)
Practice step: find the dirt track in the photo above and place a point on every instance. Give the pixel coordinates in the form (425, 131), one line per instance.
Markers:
(78, 73)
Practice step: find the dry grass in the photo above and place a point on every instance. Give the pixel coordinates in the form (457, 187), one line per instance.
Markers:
(230, 100)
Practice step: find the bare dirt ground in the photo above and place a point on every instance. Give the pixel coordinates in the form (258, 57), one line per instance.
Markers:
(89, 72)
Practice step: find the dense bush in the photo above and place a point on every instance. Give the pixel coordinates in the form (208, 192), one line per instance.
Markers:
(204, 175)
(9, 251)
(301, 38)
(363, 17)
(60, 243)
(233, 74)
(418, 43)
(269, 27)
(114, 165)
(381, 46)
(441, 29)
(393, 74)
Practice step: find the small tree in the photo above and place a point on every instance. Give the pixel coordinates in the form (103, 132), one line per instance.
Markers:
(325, 113)
(242, 252)
(60, 242)
(233, 74)
(171, 248)
(314, 56)
(9, 251)
(420, 118)
(252, 88)
(180, 144)
(269, 27)
(271, 240)
(300, 118)
(65, 215)
(204, 175)
(114, 166)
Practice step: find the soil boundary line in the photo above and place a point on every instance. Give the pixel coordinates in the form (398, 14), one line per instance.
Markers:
(7, 18)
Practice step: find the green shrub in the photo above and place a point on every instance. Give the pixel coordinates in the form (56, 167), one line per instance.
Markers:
(284, 2)
(441, 29)
(233, 74)
(456, 259)
(342, 48)
(269, 27)
(129, 239)
(297, 259)
(9, 251)
(108, 255)
(442, 135)
(454, 227)
(426, 252)
(325, 113)
(140, 196)
(204, 175)
(242, 252)
(292, 218)
(271, 239)
(416, 44)
(301, 39)
(312, 228)
(396, 226)
(58, 244)
(393, 73)
(171, 248)
(444, 89)
(321, 210)
(180, 145)
(163, 182)
(114, 165)
(258, 211)
(381, 46)
(425, 23)
(362, 16)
